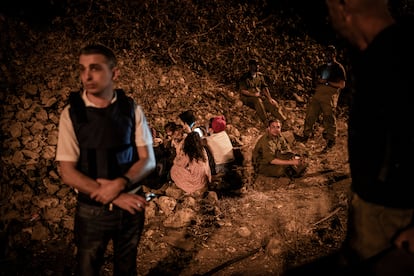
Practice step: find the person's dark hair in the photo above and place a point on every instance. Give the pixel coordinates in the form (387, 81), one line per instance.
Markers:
(187, 117)
(210, 122)
(274, 121)
(331, 49)
(102, 50)
(193, 147)
(253, 62)
(170, 126)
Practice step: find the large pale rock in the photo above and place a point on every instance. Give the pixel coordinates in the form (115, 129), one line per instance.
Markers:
(180, 218)
(167, 204)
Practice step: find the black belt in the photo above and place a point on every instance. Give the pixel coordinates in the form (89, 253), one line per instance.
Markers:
(83, 198)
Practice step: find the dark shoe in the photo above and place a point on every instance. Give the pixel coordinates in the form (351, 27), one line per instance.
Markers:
(296, 171)
(328, 146)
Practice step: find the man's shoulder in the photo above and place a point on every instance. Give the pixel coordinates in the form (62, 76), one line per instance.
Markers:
(125, 99)
(120, 93)
(217, 136)
(262, 139)
(259, 145)
(339, 66)
(338, 63)
(75, 94)
(75, 99)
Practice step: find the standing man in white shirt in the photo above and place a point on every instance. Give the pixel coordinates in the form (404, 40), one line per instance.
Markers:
(104, 149)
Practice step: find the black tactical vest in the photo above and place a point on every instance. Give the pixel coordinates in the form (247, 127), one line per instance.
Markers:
(106, 136)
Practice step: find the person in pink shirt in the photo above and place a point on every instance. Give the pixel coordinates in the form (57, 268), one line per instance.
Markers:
(191, 171)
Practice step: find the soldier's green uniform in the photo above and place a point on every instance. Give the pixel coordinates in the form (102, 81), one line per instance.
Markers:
(265, 151)
(254, 82)
(325, 99)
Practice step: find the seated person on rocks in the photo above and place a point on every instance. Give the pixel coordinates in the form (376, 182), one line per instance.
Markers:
(190, 125)
(174, 135)
(220, 144)
(254, 92)
(156, 140)
(272, 155)
(189, 122)
(191, 171)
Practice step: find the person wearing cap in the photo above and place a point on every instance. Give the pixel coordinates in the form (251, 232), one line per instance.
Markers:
(329, 79)
(254, 92)
(220, 144)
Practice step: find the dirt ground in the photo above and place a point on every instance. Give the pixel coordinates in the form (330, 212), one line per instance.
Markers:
(261, 233)
(265, 229)
(256, 233)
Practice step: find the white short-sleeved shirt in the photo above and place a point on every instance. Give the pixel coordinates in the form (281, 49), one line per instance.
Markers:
(221, 147)
(68, 146)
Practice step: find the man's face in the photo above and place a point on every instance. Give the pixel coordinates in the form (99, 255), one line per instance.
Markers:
(95, 73)
(330, 56)
(275, 129)
(253, 68)
(177, 134)
(169, 133)
(338, 17)
(186, 127)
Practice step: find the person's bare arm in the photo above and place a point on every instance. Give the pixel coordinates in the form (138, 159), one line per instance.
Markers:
(244, 90)
(130, 202)
(247, 92)
(292, 162)
(73, 177)
(337, 84)
(266, 92)
(144, 166)
(110, 189)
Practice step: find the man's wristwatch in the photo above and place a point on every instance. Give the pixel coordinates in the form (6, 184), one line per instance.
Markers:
(128, 181)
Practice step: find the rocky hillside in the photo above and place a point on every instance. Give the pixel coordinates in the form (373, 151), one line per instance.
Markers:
(174, 55)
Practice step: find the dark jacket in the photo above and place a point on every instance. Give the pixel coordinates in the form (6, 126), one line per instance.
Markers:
(381, 141)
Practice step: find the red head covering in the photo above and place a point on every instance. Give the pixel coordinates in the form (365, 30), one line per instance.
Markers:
(218, 124)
